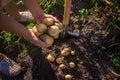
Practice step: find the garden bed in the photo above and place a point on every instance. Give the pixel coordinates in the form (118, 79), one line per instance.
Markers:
(91, 63)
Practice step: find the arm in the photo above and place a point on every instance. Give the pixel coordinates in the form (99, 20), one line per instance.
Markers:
(34, 8)
(37, 11)
(12, 26)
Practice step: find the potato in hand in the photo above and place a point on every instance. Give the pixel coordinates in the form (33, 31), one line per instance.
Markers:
(47, 39)
(53, 31)
(35, 31)
(48, 21)
(47, 31)
(41, 28)
(59, 25)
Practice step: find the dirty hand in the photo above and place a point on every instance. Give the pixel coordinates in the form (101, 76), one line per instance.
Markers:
(36, 41)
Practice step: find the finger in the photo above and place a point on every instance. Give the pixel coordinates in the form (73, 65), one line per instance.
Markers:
(40, 44)
(54, 18)
(36, 41)
(43, 45)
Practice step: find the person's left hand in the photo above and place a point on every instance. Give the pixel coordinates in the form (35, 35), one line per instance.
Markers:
(36, 41)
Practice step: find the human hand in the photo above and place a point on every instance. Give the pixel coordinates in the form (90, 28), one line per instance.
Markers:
(51, 16)
(36, 41)
(47, 16)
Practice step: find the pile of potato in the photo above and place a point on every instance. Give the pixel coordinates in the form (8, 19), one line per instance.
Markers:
(60, 60)
(47, 31)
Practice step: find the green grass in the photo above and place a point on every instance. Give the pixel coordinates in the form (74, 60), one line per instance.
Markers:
(45, 4)
(19, 3)
(8, 40)
(48, 4)
(60, 2)
(115, 55)
(83, 12)
(116, 59)
(112, 25)
(118, 17)
(30, 25)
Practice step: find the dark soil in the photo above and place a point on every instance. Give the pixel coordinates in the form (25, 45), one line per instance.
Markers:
(91, 62)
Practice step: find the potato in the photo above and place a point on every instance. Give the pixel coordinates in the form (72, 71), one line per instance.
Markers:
(60, 60)
(48, 21)
(56, 36)
(62, 66)
(35, 31)
(42, 28)
(72, 52)
(66, 49)
(53, 30)
(48, 40)
(64, 53)
(59, 25)
(72, 64)
(68, 77)
(50, 58)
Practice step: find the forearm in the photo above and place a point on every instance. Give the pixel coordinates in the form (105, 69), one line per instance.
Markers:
(12, 26)
(35, 9)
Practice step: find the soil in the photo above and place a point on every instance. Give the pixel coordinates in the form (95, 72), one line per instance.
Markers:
(91, 63)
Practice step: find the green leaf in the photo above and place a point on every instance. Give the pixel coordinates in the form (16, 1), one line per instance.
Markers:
(31, 25)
